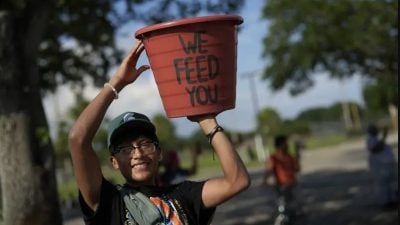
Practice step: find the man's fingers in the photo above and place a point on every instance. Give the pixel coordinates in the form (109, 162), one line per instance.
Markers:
(134, 54)
(138, 51)
(142, 69)
(137, 48)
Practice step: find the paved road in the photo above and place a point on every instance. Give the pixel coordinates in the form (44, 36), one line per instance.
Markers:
(335, 189)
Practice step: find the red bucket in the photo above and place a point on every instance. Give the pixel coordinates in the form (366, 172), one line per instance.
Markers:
(194, 63)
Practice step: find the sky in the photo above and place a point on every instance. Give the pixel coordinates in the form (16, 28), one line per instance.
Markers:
(143, 95)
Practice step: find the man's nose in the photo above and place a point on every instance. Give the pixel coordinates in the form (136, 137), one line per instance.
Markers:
(136, 152)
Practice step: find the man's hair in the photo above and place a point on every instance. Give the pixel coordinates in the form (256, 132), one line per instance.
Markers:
(372, 129)
(280, 141)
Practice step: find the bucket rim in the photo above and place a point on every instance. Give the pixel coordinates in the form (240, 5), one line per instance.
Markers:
(180, 22)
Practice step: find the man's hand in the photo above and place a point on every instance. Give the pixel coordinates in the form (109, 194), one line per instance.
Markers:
(127, 71)
(199, 118)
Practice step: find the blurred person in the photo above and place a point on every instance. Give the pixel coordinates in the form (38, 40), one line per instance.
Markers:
(382, 164)
(283, 167)
(173, 171)
(136, 153)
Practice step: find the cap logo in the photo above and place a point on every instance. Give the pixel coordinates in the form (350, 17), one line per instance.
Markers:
(128, 116)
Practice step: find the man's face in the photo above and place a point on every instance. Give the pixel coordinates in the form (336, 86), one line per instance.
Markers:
(138, 160)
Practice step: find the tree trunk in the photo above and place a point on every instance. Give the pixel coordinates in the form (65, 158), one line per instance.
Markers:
(26, 186)
(27, 171)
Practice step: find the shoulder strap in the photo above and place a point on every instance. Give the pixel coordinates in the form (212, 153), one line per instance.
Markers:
(141, 210)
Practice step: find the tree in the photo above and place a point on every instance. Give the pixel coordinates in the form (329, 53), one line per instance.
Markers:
(342, 37)
(65, 124)
(376, 102)
(321, 114)
(349, 112)
(197, 136)
(165, 131)
(294, 127)
(269, 122)
(44, 44)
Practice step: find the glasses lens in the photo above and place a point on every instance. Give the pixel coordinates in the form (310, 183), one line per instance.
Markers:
(146, 147)
(125, 149)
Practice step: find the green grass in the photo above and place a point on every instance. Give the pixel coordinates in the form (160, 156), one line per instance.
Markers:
(206, 163)
(326, 141)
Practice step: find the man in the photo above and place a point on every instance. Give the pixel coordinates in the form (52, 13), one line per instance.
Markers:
(383, 166)
(135, 152)
(284, 167)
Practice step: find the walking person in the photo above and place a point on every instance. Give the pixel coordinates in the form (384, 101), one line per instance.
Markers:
(284, 168)
(173, 172)
(382, 165)
(136, 153)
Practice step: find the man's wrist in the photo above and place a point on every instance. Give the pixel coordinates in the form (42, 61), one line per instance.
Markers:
(212, 133)
(207, 125)
(108, 85)
(116, 83)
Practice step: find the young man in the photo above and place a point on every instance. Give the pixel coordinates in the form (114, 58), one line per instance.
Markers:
(135, 152)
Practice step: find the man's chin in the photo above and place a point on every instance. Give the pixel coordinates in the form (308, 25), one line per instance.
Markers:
(142, 177)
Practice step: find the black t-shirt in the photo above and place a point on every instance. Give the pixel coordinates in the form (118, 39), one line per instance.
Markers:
(174, 177)
(181, 204)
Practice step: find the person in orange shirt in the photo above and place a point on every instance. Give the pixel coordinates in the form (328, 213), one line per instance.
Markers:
(284, 167)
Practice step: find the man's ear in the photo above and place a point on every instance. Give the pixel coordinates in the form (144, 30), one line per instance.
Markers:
(114, 162)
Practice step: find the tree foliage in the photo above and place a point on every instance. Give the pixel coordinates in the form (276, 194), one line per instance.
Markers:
(294, 127)
(166, 131)
(79, 41)
(343, 37)
(378, 94)
(269, 121)
(270, 124)
(321, 114)
(64, 125)
(324, 114)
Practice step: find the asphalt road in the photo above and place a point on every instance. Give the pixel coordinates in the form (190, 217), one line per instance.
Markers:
(335, 188)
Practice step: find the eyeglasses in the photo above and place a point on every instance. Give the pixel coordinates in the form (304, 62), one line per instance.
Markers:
(144, 147)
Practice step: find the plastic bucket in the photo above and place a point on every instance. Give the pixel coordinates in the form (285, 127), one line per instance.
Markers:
(194, 63)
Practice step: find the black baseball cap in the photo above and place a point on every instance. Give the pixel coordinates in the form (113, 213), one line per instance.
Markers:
(130, 123)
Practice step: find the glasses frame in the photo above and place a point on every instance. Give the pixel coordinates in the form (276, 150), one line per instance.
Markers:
(123, 149)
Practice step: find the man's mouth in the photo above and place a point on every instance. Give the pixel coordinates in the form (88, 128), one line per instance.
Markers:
(141, 165)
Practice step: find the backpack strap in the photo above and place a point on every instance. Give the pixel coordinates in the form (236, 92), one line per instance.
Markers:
(140, 209)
